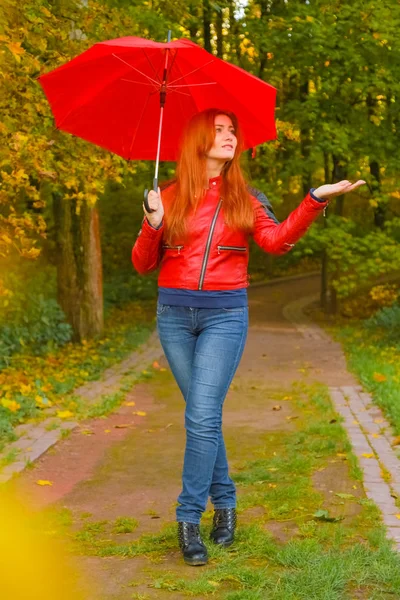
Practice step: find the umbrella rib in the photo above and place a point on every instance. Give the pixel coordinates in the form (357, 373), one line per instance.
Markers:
(139, 82)
(191, 84)
(152, 66)
(194, 71)
(138, 123)
(138, 71)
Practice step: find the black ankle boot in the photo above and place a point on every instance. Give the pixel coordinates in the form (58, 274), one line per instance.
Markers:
(224, 525)
(191, 544)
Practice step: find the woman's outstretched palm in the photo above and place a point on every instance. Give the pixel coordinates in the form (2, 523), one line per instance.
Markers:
(337, 189)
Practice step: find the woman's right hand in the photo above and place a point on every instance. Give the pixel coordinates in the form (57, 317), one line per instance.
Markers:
(154, 199)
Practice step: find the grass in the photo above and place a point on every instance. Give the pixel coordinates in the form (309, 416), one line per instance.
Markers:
(35, 383)
(315, 559)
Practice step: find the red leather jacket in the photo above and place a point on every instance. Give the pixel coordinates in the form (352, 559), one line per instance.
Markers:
(216, 257)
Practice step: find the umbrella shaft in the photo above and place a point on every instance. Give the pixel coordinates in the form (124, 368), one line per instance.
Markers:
(163, 95)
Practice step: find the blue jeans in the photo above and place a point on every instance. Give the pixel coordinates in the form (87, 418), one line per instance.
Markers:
(203, 347)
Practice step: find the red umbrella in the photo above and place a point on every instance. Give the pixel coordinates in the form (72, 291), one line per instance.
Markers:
(111, 95)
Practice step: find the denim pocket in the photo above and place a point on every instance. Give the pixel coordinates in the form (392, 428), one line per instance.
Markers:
(161, 308)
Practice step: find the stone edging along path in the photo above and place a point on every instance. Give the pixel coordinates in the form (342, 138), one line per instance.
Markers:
(369, 432)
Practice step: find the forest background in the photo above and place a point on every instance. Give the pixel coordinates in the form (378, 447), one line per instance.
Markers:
(70, 301)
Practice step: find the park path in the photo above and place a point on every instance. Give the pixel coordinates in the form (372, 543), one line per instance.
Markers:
(129, 464)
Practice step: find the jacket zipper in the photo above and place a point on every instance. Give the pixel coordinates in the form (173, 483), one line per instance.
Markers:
(240, 248)
(179, 248)
(207, 251)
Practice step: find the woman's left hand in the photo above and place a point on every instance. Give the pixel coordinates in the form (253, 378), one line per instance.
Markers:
(337, 189)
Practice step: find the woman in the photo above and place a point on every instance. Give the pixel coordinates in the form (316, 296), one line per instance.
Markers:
(198, 232)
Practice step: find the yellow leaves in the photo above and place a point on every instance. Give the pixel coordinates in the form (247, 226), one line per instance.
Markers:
(396, 441)
(379, 377)
(366, 455)
(140, 413)
(376, 435)
(12, 405)
(277, 407)
(397, 516)
(131, 403)
(64, 414)
(42, 402)
(45, 11)
(44, 482)
(16, 50)
(31, 253)
(327, 63)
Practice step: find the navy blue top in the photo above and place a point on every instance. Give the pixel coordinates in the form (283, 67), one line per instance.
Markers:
(208, 298)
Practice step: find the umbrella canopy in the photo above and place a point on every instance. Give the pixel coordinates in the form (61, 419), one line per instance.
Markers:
(110, 95)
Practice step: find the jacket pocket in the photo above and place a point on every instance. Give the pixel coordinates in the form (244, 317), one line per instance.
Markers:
(178, 248)
(237, 248)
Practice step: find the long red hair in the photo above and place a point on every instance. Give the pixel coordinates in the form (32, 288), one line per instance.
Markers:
(191, 178)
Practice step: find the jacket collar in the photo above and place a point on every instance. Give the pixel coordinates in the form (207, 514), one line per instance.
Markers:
(215, 183)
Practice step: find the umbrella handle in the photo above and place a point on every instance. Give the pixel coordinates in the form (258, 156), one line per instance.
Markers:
(146, 193)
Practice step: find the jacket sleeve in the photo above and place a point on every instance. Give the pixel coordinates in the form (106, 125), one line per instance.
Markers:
(146, 253)
(278, 238)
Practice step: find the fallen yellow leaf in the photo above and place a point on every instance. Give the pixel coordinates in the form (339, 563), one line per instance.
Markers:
(365, 455)
(398, 516)
(378, 420)
(44, 482)
(122, 426)
(163, 369)
(277, 407)
(156, 365)
(396, 441)
(64, 414)
(129, 403)
(376, 435)
(107, 430)
(140, 413)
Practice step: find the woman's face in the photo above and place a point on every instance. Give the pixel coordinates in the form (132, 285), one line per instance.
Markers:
(225, 141)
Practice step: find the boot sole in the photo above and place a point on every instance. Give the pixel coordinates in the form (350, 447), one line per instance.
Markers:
(195, 562)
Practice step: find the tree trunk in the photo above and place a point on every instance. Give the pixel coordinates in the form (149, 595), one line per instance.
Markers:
(79, 267)
(339, 172)
(379, 212)
(305, 144)
(324, 260)
(207, 25)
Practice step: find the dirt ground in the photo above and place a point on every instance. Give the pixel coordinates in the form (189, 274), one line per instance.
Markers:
(134, 470)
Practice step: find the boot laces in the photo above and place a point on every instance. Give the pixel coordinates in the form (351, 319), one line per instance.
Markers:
(190, 532)
(225, 518)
